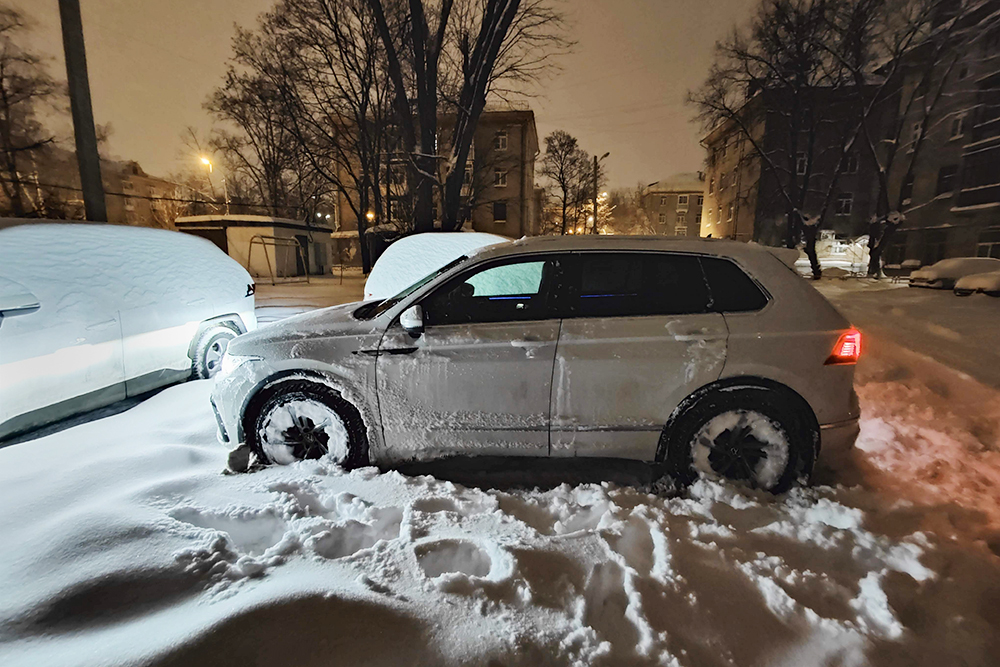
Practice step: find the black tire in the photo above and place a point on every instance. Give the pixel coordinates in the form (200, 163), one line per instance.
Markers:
(273, 396)
(208, 351)
(783, 409)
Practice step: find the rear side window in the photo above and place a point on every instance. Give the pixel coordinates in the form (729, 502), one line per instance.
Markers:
(636, 284)
(733, 291)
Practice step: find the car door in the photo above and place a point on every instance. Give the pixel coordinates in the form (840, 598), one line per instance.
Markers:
(64, 358)
(477, 380)
(638, 336)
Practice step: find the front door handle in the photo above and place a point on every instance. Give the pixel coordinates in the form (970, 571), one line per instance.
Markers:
(390, 350)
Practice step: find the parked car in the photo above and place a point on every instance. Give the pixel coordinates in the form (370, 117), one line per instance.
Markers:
(987, 283)
(412, 257)
(698, 356)
(91, 314)
(945, 273)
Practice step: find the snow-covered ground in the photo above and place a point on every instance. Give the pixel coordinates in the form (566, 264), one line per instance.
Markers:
(124, 543)
(276, 302)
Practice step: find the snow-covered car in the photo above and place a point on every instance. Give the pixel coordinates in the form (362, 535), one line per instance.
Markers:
(944, 274)
(696, 355)
(987, 283)
(91, 314)
(412, 257)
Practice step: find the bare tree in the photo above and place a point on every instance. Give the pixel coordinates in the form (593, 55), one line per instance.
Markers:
(495, 41)
(566, 165)
(24, 85)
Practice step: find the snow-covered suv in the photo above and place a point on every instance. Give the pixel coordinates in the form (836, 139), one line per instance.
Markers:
(701, 356)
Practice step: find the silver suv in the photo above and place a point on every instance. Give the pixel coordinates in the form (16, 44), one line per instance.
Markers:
(700, 356)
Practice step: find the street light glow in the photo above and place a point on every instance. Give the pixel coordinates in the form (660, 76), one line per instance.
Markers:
(370, 215)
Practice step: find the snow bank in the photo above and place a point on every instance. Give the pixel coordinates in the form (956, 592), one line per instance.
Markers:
(124, 544)
(411, 258)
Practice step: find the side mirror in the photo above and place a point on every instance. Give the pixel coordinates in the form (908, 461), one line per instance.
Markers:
(412, 320)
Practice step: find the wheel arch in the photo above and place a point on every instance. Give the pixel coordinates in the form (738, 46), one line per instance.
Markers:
(326, 379)
(733, 383)
(231, 321)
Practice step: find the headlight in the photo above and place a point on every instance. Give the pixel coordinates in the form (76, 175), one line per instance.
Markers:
(230, 362)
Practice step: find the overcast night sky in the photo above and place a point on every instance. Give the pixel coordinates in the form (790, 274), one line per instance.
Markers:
(153, 63)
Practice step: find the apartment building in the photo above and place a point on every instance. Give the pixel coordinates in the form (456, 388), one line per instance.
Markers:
(674, 204)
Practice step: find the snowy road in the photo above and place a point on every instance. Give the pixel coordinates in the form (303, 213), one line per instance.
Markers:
(962, 332)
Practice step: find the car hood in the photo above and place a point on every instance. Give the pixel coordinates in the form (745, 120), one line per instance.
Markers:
(330, 322)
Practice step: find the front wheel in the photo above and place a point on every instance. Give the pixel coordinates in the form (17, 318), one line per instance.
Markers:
(750, 435)
(296, 420)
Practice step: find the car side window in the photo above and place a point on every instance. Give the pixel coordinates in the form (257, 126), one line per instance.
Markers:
(633, 284)
(507, 292)
(733, 291)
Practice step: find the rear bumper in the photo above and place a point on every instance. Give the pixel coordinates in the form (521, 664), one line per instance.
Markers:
(837, 439)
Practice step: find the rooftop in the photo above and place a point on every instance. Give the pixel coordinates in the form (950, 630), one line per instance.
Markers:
(689, 181)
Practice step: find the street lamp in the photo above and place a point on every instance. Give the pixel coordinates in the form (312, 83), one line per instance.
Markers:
(225, 188)
(208, 163)
(370, 215)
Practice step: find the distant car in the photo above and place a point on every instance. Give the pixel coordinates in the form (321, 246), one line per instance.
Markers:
(697, 356)
(987, 283)
(412, 257)
(944, 274)
(91, 314)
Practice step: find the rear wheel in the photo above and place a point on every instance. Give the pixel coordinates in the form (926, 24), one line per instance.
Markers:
(751, 435)
(298, 420)
(209, 350)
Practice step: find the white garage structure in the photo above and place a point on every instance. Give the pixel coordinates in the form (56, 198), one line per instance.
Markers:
(269, 248)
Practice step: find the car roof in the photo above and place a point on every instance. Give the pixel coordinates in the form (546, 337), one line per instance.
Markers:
(608, 242)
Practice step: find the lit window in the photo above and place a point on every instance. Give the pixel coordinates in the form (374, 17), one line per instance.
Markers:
(845, 203)
(500, 140)
(499, 178)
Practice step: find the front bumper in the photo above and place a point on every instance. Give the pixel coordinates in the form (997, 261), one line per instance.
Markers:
(837, 440)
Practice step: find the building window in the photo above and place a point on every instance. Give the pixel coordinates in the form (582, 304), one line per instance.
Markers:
(663, 218)
(730, 218)
(722, 182)
(500, 140)
(663, 200)
(947, 176)
(499, 211)
(681, 230)
(129, 204)
(906, 192)
(709, 216)
(720, 214)
(711, 185)
(851, 164)
(499, 178)
(957, 126)
(681, 219)
(725, 147)
(701, 200)
(682, 201)
(697, 217)
(845, 202)
(801, 164)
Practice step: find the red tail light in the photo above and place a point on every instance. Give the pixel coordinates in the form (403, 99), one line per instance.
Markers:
(847, 350)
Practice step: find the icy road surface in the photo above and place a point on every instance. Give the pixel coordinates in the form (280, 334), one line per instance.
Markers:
(123, 543)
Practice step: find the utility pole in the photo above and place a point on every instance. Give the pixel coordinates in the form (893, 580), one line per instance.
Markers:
(83, 115)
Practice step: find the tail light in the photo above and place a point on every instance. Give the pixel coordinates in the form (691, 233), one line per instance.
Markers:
(847, 350)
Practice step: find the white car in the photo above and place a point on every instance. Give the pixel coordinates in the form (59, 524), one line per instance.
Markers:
(944, 274)
(412, 257)
(91, 314)
(987, 283)
(699, 356)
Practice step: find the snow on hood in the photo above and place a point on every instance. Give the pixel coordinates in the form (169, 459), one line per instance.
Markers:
(411, 258)
(957, 267)
(124, 544)
(323, 322)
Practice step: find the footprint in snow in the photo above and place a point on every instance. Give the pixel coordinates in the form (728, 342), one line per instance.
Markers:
(447, 556)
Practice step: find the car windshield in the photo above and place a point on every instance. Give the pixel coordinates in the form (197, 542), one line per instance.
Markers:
(393, 300)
